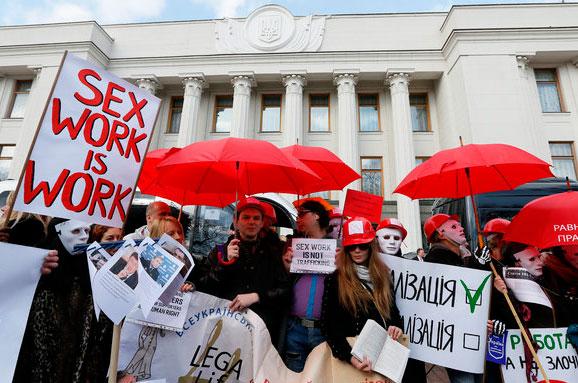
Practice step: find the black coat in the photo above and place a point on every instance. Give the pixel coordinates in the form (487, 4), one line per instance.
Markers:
(259, 269)
(338, 323)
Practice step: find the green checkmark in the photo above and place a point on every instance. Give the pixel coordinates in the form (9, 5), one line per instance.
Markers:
(473, 299)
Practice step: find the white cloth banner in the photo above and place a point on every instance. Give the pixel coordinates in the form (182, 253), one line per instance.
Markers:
(96, 128)
(558, 357)
(444, 310)
(19, 275)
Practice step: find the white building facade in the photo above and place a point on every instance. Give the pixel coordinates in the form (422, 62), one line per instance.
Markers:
(383, 91)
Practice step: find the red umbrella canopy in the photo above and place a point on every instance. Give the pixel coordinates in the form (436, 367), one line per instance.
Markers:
(334, 174)
(149, 183)
(234, 165)
(491, 167)
(546, 222)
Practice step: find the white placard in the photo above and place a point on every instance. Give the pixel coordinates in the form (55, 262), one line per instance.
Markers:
(96, 128)
(313, 255)
(524, 287)
(446, 323)
(19, 275)
(556, 354)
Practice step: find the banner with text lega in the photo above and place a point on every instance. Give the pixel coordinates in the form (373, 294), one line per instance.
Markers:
(555, 352)
(90, 146)
(444, 311)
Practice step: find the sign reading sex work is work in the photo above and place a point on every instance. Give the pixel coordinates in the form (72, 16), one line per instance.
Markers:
(90, 146)
(444, 311)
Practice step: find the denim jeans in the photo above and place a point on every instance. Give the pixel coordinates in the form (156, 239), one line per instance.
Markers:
(299, 341)
(457, 376)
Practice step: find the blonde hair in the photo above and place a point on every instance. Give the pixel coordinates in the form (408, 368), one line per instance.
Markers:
(17, 216)
(159, 226)
(353, 296)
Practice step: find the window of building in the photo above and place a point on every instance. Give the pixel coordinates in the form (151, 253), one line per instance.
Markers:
(372, 175)
(548, 90)
(175, 114)
(563, 159)
(21, 92)
(368, 112)
(223, 114)
(319, 113)
(6, 154)
(271, 113)
(419, 112)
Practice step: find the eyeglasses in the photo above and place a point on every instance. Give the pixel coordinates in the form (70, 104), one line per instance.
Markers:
(395, 237)
(360, 246)
(302, 213)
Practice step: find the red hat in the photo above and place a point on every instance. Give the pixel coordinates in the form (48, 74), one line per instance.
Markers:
(269, 211)
(393, 223)
(357, 230)
(434, 222)
(250, 202)
(496, 225)
(336, 212)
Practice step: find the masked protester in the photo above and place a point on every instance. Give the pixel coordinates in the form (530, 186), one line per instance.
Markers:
(390, 234)
(249, 271)
(336, 219)
(63, 341)
(360, 289)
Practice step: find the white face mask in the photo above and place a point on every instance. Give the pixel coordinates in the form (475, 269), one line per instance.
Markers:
(389, 240)
(453, 231)
(336, 231)
(72, 233)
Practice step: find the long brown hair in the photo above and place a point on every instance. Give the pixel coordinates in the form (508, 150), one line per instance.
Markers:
(353, 295)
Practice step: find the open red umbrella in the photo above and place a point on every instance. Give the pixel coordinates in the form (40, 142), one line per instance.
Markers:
(472, 169)
(234, 165)
(547, 222)
(149, 183)
(334, 174)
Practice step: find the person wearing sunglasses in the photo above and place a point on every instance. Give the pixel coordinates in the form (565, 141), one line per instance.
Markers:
(360, 289)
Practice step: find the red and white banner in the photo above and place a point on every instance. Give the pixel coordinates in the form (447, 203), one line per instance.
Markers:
(90, 146)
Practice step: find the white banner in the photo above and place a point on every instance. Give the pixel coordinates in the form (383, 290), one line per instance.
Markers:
(445, 311)
(19, 275)
(313, 255)
(96, 128)
(556, 354)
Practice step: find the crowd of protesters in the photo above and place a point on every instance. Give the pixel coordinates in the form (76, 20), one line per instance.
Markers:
(64, 341)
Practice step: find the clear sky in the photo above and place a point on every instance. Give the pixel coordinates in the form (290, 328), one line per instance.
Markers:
(13, 12)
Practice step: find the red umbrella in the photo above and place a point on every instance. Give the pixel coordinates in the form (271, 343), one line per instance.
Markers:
(547, 222)
(334, 174)
(234, 165)
(149, 183)
(491, 167)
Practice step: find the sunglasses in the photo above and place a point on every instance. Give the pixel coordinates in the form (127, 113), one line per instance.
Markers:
(302, 213)
(395, 237)
(360, 246)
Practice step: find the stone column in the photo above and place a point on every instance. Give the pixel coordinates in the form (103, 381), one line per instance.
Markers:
(347, 122)
(241, 106)
(190, 115)
(293, 113)
(532, 110)
(149, 84)
(407, 210)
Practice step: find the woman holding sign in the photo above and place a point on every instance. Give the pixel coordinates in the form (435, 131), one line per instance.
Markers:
(360, 289)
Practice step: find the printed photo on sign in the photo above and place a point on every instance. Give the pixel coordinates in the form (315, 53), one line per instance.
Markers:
(313, 255)
(181, 253)
(444, 311)
(97, 257)
(97, 129)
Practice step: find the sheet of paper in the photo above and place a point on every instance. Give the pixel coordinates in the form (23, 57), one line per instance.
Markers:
(369, 342)
(524, 287)
(96, 257)
(169, 317)
(392, 360)
(179, 252)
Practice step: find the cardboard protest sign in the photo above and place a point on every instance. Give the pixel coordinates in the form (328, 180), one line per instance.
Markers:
(19, 275)
(524, 287)
(362, 204)
(555, 352)
(313, 255)
(96, 129)
(170, 316)
(444, 311)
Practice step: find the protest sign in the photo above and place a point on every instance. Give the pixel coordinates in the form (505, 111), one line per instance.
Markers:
(313, 255)
(496, 350)
(168, 317)
(524, 287)
(115, 283)
(157, 270)
(96, 257)
(555, 352)
(19, 275)
(97, 128)
(362, 204)
(179, 252)
(444, 311)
